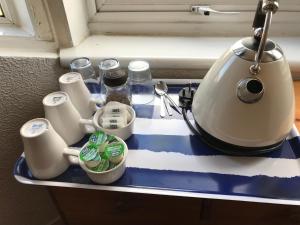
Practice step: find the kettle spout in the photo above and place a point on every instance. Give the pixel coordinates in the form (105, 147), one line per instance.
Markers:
(250, 90)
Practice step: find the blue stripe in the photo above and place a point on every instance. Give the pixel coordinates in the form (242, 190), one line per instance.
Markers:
(93, 88)
(294, 144)
(193, 145)
(210, 183)
(172, 88)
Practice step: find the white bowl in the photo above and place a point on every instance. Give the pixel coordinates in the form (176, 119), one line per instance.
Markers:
(124, 132)
(108, 176)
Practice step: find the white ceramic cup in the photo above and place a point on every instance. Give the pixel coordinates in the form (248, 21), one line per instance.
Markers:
(123, 133)
(73, 84)
(105, 177)
(44, 149)
(64, 117)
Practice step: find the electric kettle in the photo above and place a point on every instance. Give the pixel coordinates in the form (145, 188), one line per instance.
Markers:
(245, 103)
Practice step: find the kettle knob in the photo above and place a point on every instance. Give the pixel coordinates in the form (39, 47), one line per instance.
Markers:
(270, 5)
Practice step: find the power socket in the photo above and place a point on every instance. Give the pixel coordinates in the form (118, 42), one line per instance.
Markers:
(186, 96)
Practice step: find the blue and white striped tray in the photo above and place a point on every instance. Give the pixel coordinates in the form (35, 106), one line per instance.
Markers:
(166, 158)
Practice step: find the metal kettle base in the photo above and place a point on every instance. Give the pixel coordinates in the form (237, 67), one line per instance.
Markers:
(235, 149)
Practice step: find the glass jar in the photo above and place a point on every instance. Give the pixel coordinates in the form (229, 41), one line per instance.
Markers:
(114, 81)
(84, 67)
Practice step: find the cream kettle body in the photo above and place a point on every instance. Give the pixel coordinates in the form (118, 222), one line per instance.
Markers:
(235, 107)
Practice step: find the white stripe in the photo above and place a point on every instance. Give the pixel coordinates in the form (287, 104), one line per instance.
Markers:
(156, 101)
(174, 127)
(161, 127)
(294, 133)
(244, 166)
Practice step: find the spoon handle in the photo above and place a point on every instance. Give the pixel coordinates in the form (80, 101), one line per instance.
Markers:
(162, 107)
(173, 103)
(168, 107)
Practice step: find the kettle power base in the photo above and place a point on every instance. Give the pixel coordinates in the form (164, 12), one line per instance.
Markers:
(231, 149)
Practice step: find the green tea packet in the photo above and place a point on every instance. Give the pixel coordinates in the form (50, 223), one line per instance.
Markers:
(112, 165)
(99, 140)
(103, 152)
(102, 166)
(112, 139)
(88, 153)
(93, 162)
(114, 152)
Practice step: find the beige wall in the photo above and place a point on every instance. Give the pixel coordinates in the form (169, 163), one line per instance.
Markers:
(23, 83)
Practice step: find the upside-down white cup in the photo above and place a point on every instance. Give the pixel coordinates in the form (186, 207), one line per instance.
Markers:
(44, 149)
(64, 117)
(73, 84)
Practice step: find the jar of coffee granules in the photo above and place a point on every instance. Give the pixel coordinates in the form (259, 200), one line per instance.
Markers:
(115, 82)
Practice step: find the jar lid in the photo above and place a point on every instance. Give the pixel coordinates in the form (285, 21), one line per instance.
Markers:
(113, 76)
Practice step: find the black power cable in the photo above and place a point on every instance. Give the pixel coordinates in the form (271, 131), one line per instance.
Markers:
(186, 96)
(188, 122)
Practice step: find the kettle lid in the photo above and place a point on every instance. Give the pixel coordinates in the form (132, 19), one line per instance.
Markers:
(246, 48)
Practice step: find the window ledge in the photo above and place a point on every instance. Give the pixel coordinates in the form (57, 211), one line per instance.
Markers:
(195, 53)
(11, 30)
(27, 47)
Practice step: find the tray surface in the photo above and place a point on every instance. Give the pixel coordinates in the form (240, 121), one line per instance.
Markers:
(166, 158)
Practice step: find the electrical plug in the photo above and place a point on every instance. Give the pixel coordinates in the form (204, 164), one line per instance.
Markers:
(186, 96)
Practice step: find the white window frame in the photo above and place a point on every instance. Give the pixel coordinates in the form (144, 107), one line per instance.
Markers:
(25, 18)
(16, 22)
(172, 20)
(7, 15)
(70, 19)
(184, 52)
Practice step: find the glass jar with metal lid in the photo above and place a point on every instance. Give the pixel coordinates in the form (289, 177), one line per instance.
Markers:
(114, 82)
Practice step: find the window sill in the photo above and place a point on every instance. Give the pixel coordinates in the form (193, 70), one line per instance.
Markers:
(27, 47)
(168, 53)
(15, 42)
(11, 30)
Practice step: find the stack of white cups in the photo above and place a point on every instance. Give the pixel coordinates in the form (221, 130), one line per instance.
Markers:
(46, 140)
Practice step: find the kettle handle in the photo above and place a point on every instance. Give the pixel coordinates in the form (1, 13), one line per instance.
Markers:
(269, 7)
(260, 17)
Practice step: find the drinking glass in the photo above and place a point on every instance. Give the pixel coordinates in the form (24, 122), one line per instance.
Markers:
(84, 67)
(140, 81)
